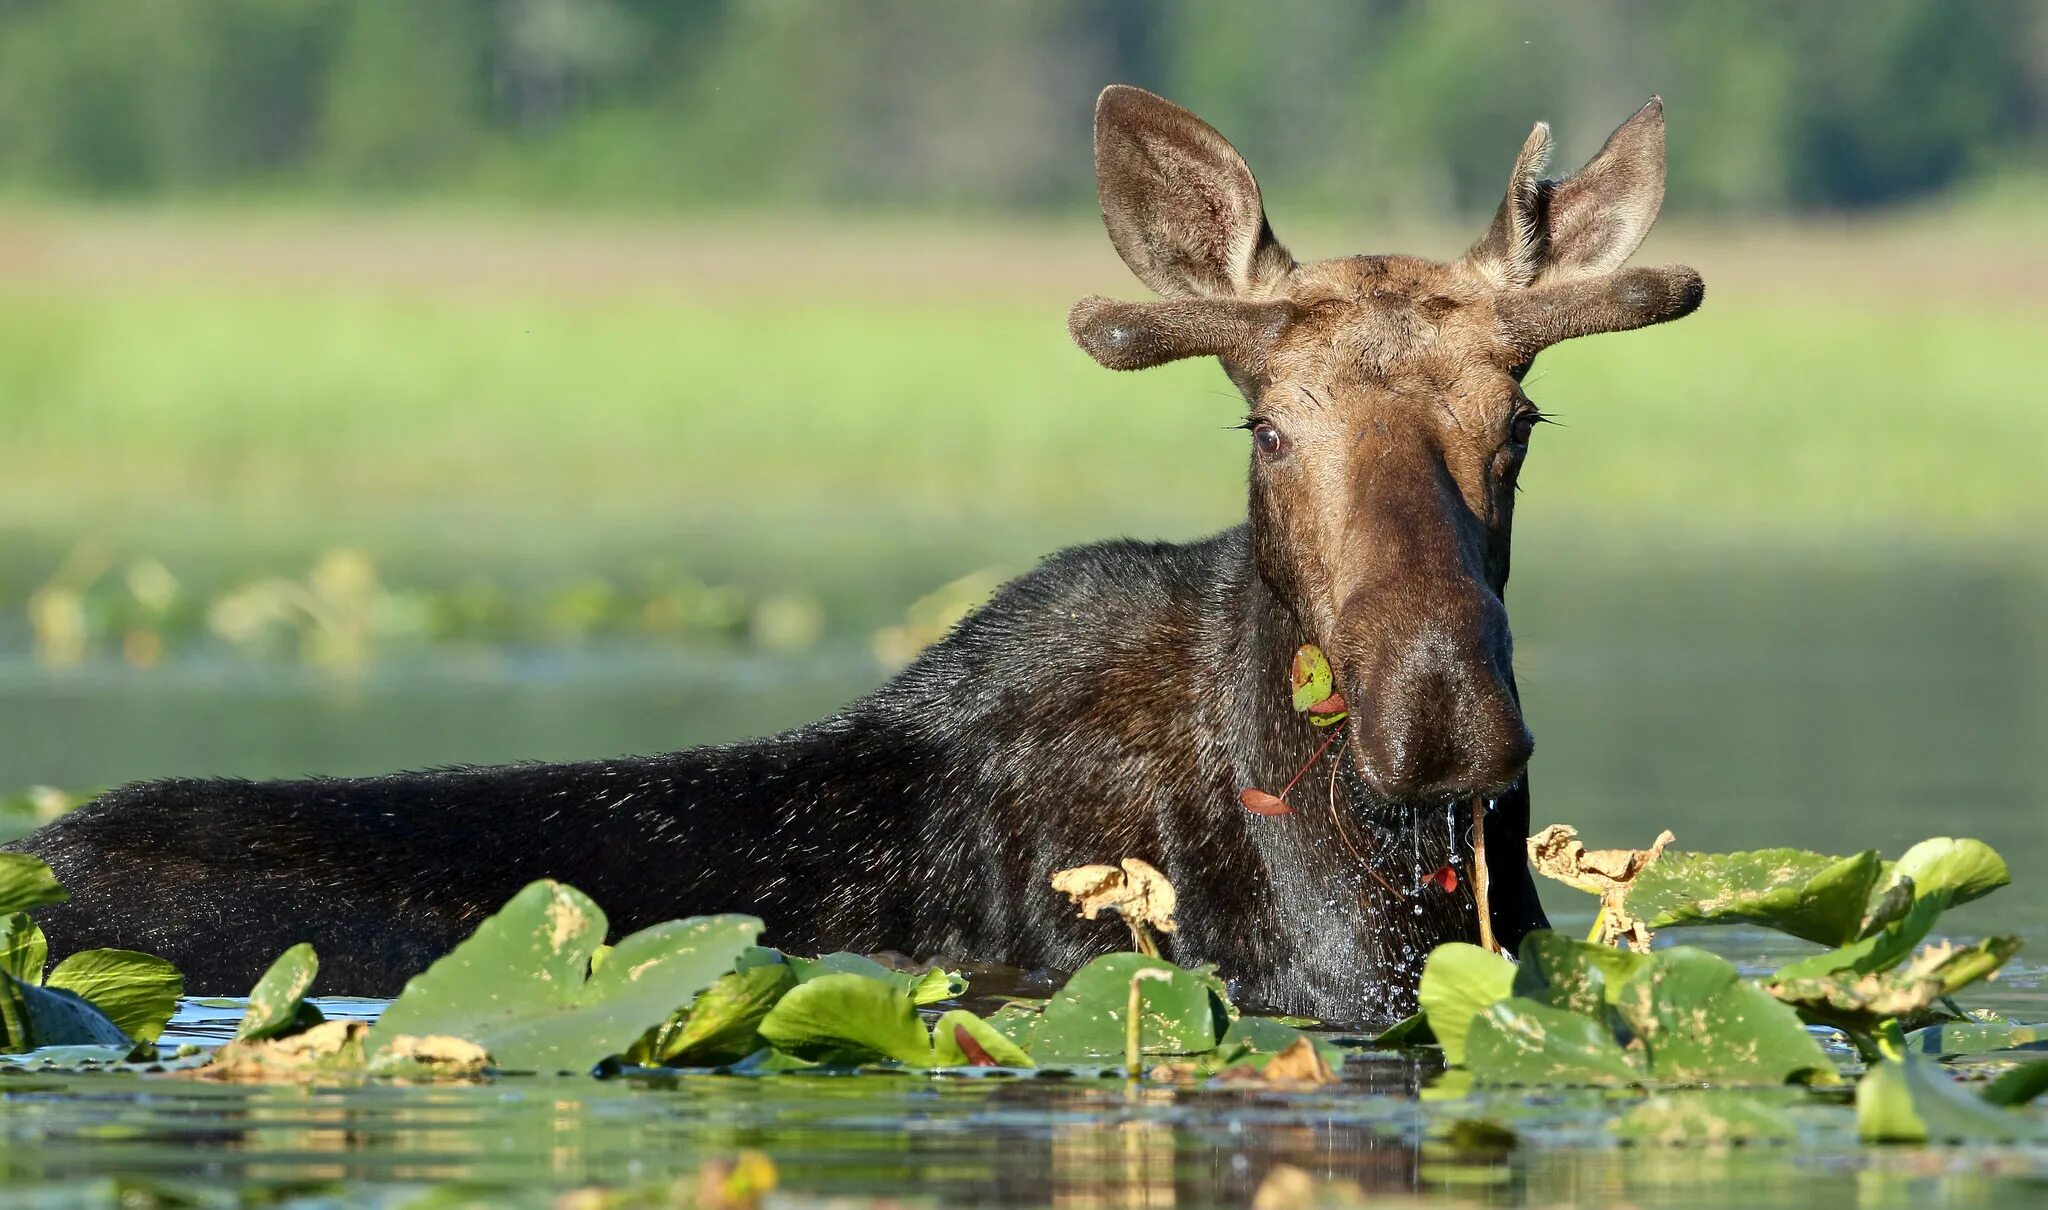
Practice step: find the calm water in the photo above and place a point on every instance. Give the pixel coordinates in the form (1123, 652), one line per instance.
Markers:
(1826, 699)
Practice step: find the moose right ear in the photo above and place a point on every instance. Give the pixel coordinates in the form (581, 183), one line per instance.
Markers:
(1180, 204)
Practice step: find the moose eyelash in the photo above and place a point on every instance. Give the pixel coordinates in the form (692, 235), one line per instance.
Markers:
(1250, 422)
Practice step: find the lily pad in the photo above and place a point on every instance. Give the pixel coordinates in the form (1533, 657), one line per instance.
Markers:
(521, 987)
(1574, 975)
(1458, 982)
(931, 987)
(37, 1017)
(1977, 1037)
(277, 1004)
(956, 1032)
(1698, 1021)
(1940, 874)
(2018, 1086)
(1088, 1018)
(846, 1020)
(1519, 1041)
(26, 882)
(1705, 1117)
(1955, 870)
(1808, 895)
(1912, 1100)
(137, 992)
(723, 1025)
(23, 949)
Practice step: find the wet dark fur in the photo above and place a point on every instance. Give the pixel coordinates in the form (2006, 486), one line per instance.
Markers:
(1112, 703)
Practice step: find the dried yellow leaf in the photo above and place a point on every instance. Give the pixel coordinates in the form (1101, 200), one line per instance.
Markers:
(1557, 853)
(1137, 892)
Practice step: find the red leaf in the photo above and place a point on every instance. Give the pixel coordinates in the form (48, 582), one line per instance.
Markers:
(976, 1056)
(1445, 879)
(1258, 802)
(1333, 704)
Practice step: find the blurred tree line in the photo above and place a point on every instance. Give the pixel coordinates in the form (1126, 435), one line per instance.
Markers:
(1369, 105)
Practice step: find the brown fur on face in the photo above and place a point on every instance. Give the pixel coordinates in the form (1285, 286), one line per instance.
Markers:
(1382, 509)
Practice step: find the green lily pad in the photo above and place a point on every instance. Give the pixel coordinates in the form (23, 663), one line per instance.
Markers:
(1016, 1021)
(1912, 1100)
(2018, 1086)
(1977, 1037)
(1518, 1041)
(950, 1052)
(1411, 1030)
(1698, 1021)
(723, 1025)
(1458, 982)
(23, 949)
(846, 1020)
(1705, 1117)
(1088, 1018)
(930, 987)
(26, 882)
(1577, 976)
(137, 992)
(1313, 680)
(1955, 870)
(1940, 874)
(1808, 895)
(277, 1004)
(37, 1017)
(521, 987)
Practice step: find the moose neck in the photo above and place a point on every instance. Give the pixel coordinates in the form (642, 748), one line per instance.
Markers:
(1346, 876)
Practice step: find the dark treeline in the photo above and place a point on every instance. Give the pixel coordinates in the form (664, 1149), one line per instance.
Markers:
(1372, 104)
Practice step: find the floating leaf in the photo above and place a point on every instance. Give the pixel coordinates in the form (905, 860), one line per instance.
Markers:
(435, 1057)
(520, 985)
(137, 992)
(1087, 1018)
(1313, 680)
(961, 1039)
(930, 987)
(847, 1020)
(1699, 1021)
(1574, 975)
(1977, 1037)
(1954, 871)
(277, 1004)
(1556, 853)
(1705, 1117)
(1458, 982)
(723, 1025)
(2018, 1086)
(1258, 802)
(1808, 895)
(23, 949)
(26, 882)
(1017, 1021)
(332, 1049)
(36, 1017)
(1300, 1064)
(1518, 1041)
(1912, 1100)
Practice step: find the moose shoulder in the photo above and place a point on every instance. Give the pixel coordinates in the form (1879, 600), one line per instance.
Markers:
(1113, 703)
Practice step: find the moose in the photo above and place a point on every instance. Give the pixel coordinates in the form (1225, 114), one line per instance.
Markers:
(1115, 702)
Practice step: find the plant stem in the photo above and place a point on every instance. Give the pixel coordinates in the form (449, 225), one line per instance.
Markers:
(1299, 773)
(1479, 875)
(1134, 1027)
(1599, 926)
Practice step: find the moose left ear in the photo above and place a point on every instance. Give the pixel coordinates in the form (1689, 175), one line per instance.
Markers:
(1586, 225)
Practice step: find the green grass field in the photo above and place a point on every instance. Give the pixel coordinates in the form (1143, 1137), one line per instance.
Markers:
(167, 378)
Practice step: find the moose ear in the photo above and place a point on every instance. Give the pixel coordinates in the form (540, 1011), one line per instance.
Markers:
(1180, 204)
(1586, 225)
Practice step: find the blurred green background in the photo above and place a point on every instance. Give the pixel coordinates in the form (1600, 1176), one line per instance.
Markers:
(390, 383)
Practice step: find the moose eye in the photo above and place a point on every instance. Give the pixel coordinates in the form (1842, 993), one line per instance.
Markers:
(1523, 425)
(1268, 440)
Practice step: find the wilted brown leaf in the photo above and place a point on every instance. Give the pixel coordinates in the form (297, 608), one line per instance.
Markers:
(1556, 853)
(1137, 892)
(1299, 1064)
(435, 1056)
(332, 1048)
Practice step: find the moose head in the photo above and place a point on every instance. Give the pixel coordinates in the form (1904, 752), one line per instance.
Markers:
(1387, 418)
